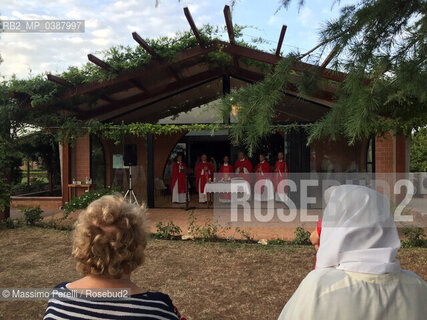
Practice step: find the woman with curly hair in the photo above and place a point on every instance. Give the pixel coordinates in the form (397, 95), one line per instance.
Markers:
(109, 243)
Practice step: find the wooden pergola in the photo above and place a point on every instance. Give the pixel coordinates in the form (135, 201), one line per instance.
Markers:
(136, 90)
(163, 88)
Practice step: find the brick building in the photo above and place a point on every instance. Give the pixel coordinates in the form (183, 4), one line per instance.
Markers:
(185, 91)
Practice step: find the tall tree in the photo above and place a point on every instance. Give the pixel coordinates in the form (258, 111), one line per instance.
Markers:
(381, 45)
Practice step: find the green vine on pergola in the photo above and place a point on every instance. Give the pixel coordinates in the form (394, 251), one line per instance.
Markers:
(124, 58)
(118, 132)
(45, 95)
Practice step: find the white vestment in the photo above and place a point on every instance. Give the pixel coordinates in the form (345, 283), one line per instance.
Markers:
(202, 196)
(357, 274)
(280, 196)
(177, 197)
(336, 294)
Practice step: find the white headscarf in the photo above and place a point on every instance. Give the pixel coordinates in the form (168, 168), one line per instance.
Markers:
(358, 232)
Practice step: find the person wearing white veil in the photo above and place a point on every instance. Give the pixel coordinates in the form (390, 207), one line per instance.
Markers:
(357, 275)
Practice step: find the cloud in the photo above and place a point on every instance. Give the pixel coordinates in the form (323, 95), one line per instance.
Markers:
(307, 16)
(107, 23)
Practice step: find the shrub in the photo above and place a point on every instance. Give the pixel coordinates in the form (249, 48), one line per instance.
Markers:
(301, 236)
(277, 241)
(9, 223)
(208, 232)
(415, 237)
(32, 215)
(85, 199)
(167, 231)
(245, 234)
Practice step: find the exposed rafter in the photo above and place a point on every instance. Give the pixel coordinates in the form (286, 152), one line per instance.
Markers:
(229, 23)
(145, 45)
(330, 56)
(65, 83)
(104, 65)
(156, 92)
(152, 53)
(166, 72)
(230, 31)
(59, 80)
(280, 43)
(99, 62)
(193, 27)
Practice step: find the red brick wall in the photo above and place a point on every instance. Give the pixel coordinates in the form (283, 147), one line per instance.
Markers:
(81, 158)
(400, 154)
(390, 158)
(384, 150)
(30, 202)
(80, 161)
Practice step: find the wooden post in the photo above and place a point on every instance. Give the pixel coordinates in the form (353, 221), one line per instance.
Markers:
(28, 171)
(65, 172)
(150, 170)
(4, 214)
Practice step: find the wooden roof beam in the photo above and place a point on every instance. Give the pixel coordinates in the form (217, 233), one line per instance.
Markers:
(59, 81)
(145, 45)
(193, 27)
(273, 59)
(230, 31)
(65, 83)
(329, 58)
(280, 43)
(152, 53)
(137, 84)
(192, 80)
(229, 23)
(107, 67)
(99, 62)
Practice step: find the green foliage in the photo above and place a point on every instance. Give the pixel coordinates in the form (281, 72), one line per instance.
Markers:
(167, 231)
(9, 223)
(302, 237)
(121, 58)
(207, 232)
(85, 199)
(255, 105)
(23, 187)
(380, 45)
(32, 215)
(278, 242)
(245, 234)
(418, 155)
(415, 237)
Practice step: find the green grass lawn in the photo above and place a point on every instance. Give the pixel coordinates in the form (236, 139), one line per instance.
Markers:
(205, 281)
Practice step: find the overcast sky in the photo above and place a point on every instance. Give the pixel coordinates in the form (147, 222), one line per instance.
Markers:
(111, 22)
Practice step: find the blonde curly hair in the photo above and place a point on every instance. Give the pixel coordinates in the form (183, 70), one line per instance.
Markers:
(110, 237)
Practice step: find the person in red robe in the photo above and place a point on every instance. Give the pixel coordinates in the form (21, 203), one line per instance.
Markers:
(243, 167)
(179, 181)
(280, 174)
(262, 172)
(225, 174)
(204, 173)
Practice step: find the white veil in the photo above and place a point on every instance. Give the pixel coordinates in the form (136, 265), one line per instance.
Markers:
(358, 232)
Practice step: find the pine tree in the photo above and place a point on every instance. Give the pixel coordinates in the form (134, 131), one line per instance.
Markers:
(381, 45)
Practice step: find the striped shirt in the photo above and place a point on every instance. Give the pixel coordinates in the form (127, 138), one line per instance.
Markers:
(65, 304)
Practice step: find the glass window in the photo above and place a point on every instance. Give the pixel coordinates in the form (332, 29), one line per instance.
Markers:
(97, 162)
